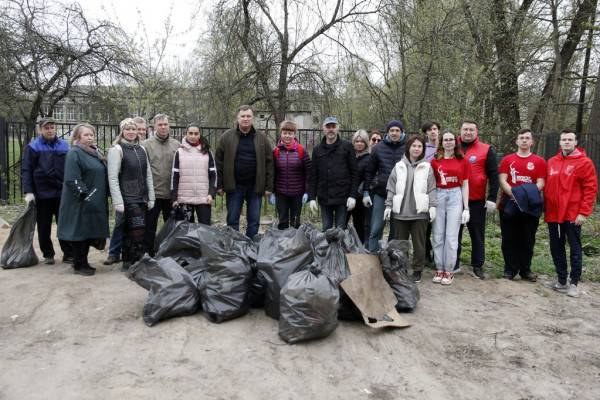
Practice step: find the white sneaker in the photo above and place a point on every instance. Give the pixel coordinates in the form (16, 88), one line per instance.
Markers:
(572, 291)
(447, 279)
(437, 278)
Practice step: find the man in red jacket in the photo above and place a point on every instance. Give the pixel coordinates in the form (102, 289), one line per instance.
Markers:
(570, 193)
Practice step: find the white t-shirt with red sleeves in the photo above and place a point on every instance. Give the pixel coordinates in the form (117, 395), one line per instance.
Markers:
(450, 172)
(520, 170)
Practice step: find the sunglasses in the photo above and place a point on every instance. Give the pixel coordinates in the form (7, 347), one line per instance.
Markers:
(374, 140)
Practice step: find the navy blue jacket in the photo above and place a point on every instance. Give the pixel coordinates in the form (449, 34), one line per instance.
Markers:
(43, 167)
(527, 199)
(362, 161)
(384, 157)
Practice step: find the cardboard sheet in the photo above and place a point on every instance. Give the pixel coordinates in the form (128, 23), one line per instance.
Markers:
(369, 291)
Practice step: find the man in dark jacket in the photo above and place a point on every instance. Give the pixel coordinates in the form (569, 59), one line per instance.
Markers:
(384, 157)
(245, 170)
(333, 177)
(43, 169)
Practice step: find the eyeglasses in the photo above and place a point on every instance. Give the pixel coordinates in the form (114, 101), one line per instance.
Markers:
(375, 140)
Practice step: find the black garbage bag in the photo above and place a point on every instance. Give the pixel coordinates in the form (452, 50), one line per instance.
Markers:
(172, 290)
(173, 244)
(241, 244)
(335, 266)
(258, 289)
(308, 306)
(394, 262)
(224, 271)
(18, 251)
(320, 244)
(352, 242)
(224, 288)
(280, 254)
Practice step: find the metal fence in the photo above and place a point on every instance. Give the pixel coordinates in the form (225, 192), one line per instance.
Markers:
(13, 137)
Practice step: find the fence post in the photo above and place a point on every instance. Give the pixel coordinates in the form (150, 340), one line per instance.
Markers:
(3, 161)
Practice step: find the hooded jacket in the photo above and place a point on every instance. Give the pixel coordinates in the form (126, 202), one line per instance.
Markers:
(571, 187)
(383, 158)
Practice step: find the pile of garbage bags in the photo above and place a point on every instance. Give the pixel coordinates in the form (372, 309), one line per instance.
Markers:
(295, 274)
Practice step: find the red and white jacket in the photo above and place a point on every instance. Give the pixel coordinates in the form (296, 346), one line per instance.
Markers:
(571, 187)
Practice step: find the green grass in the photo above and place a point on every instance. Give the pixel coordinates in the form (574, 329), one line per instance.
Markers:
(541, 263)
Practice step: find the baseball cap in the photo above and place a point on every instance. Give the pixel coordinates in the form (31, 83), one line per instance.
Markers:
(330, 120)
(46, 120)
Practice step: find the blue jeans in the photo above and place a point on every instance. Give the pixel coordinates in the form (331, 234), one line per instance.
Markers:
(445, 228)
(328, 217)
(377, 223)
(559, 234)
(116, 239)
(235, 202)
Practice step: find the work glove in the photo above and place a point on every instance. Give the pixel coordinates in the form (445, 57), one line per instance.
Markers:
(304, 198)
(350, 203)
(29, 197)
(367, 200)
(175, 204)
(272, 199)
(313, 206)
(150, 205)
(490, 206)
(387, 213)
(465, 217)
(432, 213)
(120, 208)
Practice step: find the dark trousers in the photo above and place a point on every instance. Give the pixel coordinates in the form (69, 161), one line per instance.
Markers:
(288, 210)
(135, 225)
(518, 240)
(559, 234)
(333, 214)
(202, 211)
(80, 253)
(116, 239)
(361, 219)
(163, 206)
(235, 201)
(46, 210)
(476, 227)
(428, 246)
(416, 230)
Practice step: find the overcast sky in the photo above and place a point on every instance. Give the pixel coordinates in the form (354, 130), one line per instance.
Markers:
(189, 19)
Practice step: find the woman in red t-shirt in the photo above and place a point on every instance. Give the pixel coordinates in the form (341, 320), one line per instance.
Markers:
(451, 172)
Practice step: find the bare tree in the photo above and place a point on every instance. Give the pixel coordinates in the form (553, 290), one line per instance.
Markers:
(49, 50)
(279, 40)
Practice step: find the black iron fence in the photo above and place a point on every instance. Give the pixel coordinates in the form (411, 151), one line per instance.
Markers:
(15, 135)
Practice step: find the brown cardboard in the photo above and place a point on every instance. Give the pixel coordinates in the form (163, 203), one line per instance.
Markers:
(369, 291)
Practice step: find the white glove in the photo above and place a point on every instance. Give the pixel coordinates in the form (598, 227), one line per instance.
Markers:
(490, 206)
(386, 214)
(150, 205)
(465, 217)
(120, 208)
(350, 203)
(29, 197)
(432, 213)
(304, 198)
(272, 199)
(367, 201)
(313, 206)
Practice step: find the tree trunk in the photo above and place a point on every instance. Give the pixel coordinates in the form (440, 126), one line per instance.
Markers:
(594, 121)
(584, 77)
(506, 90)
(583, 13)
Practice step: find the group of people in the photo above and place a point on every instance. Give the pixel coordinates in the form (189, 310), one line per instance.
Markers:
(428, 186)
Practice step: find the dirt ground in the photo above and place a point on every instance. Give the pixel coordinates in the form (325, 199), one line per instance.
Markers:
(63, 336)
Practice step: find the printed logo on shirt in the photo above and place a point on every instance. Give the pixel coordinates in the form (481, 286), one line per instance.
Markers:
(570, 169)
(530, 166)
(472, 159)
(514, 175)
(444, 179)
(552, 171)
